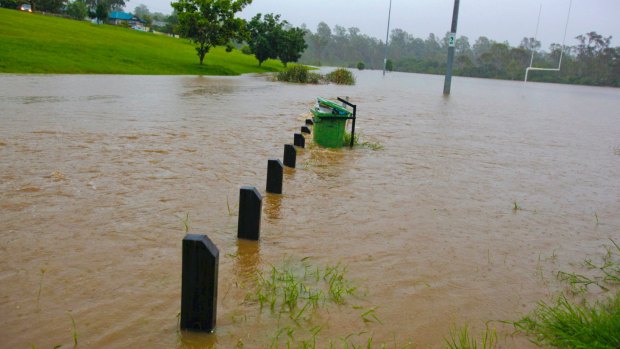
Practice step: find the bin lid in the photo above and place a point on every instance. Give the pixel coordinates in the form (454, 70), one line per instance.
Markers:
(326, 107)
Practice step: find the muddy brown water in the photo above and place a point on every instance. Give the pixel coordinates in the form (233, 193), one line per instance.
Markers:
(95, 172)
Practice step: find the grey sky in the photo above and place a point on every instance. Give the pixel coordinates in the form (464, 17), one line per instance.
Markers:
(497, 19)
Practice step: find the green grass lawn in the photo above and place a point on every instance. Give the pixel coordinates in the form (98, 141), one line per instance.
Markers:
(33, 43)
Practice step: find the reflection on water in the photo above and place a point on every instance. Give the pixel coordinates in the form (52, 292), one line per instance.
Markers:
(96, 170)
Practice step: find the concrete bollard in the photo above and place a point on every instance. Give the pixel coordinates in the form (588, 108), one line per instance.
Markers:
(309, 122)
(250, 207)
(199, 283)
(275, 172)
(299, 140)
(305, 129)
(290, 155)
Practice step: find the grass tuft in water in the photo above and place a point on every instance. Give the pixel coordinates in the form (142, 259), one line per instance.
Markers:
(462, 339)
(605, 272)
(568, 325)
(299, 74)
(356, 142)
(43, 270)
(185, 222)
(73, 330)
(341, 76)
(580, 325)
(299, 289)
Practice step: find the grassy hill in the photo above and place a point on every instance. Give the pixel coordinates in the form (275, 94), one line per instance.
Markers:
(33, 43)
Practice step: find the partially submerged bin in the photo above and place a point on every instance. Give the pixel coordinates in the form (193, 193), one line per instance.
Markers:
(330, 120)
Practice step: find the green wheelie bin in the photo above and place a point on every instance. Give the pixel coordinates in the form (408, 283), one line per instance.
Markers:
(330, 120)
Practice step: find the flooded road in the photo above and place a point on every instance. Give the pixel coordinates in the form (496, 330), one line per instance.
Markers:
(97, 172)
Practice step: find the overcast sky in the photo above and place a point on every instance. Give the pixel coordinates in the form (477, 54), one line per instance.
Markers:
(499, 20)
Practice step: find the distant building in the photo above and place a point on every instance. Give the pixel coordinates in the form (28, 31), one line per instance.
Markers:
(126, 19)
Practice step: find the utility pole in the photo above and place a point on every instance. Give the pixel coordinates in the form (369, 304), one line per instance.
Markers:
(387, 36)
(451, 44)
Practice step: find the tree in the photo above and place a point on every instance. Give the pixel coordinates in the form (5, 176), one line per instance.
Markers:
(291, 45)
(142, 11)
(53, 6)
(264, 35)
(77, 10)
(209, 23)
(101, 11)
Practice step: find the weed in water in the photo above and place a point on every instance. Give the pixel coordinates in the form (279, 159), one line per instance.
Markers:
(461, 339)
(516, 207)
(73, 330)
(231, 211)
(40, 285)
(356, 142)
(567, 325)
(370, 316)
(607, 272)
(185, 222)
(341, 76)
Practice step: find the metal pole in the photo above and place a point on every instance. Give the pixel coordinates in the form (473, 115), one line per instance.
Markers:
(387, 36)
(451, 44)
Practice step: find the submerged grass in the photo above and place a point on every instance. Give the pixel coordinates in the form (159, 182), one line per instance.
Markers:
(300, 74)
(341, 76)
(580, 325)
(568, 325)
(356, 142)
(299, 289)
(462, 339)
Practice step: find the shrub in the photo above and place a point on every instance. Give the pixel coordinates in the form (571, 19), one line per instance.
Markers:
(246, 50)
(361, 66)
(341, 76)
(296, 73)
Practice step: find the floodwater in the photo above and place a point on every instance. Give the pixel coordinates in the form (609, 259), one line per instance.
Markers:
(96, 173)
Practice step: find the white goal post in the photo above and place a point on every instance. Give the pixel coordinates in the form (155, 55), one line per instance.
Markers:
(527, 70)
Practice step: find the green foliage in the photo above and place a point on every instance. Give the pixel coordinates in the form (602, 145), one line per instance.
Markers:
(210, 23)
(461, 339)
(291, 45)
(101, 11)
(33, 43)
(12, 4)
(580, 325)
(53, 6)
(246, 50)
(356, 142)
(299, 74)
(264, 34)
(270, 39)
(361, 65)
(299, 289)
(591, 60)
(389, 65)
(568, 325)
(77, 10)
(341, 76)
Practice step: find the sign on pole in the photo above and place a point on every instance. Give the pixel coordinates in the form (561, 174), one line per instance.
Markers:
(452, 40)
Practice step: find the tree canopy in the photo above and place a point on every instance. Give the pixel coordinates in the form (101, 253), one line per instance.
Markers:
(590, 61)
(270, 38)
(209, 23)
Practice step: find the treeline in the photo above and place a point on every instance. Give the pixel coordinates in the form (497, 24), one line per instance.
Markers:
(591, 61)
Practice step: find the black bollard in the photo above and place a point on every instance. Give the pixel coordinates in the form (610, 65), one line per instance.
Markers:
(290, 155)
(250, 206)
(309, 122)
(305, 129)
(199, 283)
(299, 140)
(274, 176)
